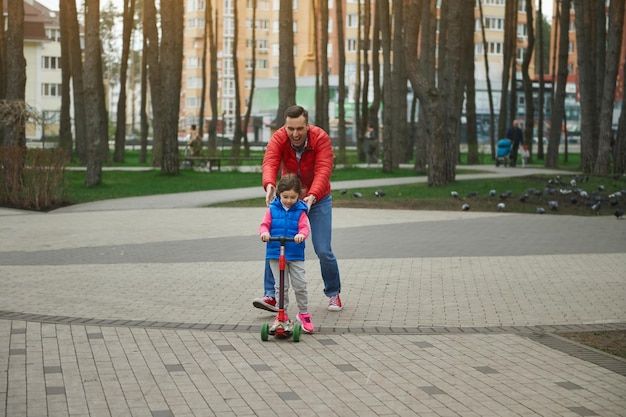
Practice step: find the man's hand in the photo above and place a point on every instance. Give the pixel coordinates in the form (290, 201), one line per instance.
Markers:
(270, 193)
(309, 200)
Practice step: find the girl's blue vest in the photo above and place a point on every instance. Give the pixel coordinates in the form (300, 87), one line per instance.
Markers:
(285, 223)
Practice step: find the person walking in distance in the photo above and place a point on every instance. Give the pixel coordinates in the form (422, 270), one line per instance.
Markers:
(305, 150)
(516, 136)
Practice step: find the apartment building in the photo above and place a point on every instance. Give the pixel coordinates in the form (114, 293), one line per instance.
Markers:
(42, 51)
(267, 26)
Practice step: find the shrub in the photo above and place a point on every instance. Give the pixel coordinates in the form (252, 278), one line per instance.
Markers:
(33, 178)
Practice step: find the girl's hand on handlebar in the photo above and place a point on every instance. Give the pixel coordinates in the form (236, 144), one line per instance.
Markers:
(298, 238)
(265, 237)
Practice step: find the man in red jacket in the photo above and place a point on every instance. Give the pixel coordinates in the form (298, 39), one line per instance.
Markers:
(307, 151)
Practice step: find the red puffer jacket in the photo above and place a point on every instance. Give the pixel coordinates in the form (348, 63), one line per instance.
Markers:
(314, 168)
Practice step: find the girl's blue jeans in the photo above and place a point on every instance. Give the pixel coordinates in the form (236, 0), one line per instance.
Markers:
(320, 218)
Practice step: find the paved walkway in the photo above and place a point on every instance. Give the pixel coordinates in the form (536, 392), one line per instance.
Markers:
(122, 308)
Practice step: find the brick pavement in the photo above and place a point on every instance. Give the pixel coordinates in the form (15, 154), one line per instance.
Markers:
(137, 313)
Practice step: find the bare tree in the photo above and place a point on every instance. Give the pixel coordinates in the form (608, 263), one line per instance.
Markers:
(341, 89)
(540, 100)
(492, 118)
(286, 70)
(120, 128)
(510, 31)
(249, 101)
(383, 14)
(236, 145)
(401, 150)
(65, 128)
(321, 114)
(94, 94)
(212, 28)
(411, 36)
(527, 82)
(3, 60)
(424, 85)
(16, 69)
(80, 107)
(558, 104)
(467, 77)
(612, 57)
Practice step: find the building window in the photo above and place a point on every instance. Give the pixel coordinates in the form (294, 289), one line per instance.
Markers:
(53, 34)
(50, 90)
(51, 62)
(351, 45)
(352, 20)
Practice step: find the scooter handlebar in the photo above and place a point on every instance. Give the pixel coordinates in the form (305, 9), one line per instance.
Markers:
(281, 239)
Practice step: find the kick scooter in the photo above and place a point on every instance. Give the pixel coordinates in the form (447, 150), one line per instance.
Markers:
(284, 328)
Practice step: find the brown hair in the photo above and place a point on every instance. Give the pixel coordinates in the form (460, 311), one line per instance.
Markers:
(296, 111)
(289, 182)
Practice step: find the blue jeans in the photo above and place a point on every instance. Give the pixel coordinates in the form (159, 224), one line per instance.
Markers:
(321, 220)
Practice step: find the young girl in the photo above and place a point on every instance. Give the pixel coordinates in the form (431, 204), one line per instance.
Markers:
(287, 216)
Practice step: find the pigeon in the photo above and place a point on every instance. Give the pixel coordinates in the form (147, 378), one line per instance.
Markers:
(500, 207)
(601, 187)
(357, 195)
(619, 213)
(573, 183)
(454, 194)
(596, 207)
(343, 191)
(492, 193)
(465, 207)
(583, 194)
(613, 202)
(574, 200)
(540, 210)
(379, 193)
(554, 205)
(473, 194)
(523, 198)
(506, 194)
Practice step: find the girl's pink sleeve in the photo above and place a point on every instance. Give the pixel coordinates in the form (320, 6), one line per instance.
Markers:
(266, 223)
(303, 225)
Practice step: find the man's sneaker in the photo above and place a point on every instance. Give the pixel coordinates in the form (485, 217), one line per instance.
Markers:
(307, 323)
(266, 303)
(334, 304)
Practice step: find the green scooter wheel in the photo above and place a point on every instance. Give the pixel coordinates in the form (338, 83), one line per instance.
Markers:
(297, 331)
(265, 331)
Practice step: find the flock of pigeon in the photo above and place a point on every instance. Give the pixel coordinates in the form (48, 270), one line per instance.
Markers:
(595, 200)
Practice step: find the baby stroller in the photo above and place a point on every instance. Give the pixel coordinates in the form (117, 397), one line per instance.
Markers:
(503, 152)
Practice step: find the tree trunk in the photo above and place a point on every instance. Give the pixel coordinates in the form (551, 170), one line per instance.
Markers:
(558, 106)
(612, 56)
(401, 151)
(510, 33)
(151, 37)
(586, 84)
(467, 76)
(321, 114)
(212, 25)
(413, 17)
(374, 109)
(388, 102)
(540, 100)
(171, 62)
(3, 62)
(528, 84)
(286, 70)
(426, 67)
(94, 98)
(492, 116)
(65, 129)
(246, 119)
(80, 105)
(341, 89)
(143, 111)
(238, 133)
(120, 128)
(16, 70)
